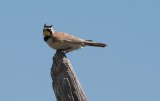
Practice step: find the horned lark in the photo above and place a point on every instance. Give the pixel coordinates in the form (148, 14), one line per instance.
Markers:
(65, 42)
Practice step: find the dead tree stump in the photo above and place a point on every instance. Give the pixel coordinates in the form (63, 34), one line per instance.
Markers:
(65, 83)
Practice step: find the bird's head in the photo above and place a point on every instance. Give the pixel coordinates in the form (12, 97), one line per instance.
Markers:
(48, 31)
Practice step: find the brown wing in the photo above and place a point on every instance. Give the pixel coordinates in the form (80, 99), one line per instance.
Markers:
(64, 37)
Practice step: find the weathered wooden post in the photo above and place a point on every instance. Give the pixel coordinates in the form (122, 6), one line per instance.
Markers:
(65, 83)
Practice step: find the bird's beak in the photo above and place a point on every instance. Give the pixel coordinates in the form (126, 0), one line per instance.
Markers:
(43, 30)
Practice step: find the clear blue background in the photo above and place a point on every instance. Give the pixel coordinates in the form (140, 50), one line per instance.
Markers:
(127, 70)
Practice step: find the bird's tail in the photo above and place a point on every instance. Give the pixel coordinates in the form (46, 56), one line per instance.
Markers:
(96, 44)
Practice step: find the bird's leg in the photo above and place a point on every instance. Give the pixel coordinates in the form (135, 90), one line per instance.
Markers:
(60, 50)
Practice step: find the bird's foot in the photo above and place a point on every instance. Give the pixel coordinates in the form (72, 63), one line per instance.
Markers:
(62, 51)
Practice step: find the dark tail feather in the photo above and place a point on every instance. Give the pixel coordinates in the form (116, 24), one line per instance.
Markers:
(96, 44)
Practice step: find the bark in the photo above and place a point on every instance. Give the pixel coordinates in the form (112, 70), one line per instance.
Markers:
(65, 83)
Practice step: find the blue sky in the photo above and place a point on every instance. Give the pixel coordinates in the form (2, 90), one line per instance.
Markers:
(127, 70)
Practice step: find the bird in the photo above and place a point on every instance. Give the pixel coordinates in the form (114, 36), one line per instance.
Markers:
(65, 42)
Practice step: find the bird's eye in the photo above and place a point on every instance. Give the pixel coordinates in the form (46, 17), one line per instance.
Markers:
(48, 30)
